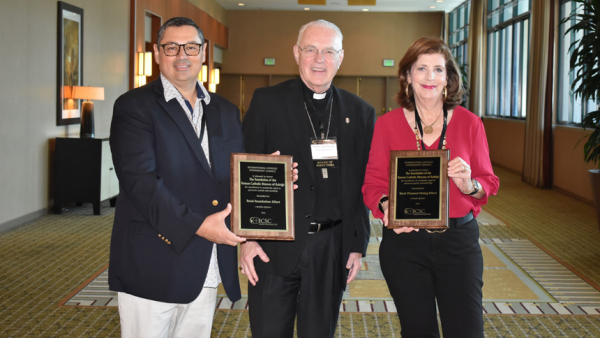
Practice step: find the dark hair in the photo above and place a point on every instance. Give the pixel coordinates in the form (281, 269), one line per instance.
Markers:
(454, 86)
(178, 22)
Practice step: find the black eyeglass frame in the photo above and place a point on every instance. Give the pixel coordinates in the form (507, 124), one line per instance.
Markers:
(179, 49)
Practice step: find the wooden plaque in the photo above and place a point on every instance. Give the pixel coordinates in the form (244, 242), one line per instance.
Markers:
(262, 197)
(419, 189)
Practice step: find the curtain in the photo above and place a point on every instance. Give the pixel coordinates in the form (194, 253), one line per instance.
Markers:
(537, 161)
(476, 58)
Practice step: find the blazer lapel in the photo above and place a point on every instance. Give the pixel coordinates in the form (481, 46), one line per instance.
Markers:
(173, 108)
(297, 113)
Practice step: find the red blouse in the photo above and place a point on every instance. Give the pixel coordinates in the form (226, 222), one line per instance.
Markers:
(465, 137)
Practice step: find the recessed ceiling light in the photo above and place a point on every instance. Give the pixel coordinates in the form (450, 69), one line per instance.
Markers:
(365, 9)
(306, 9)
(431, 6)
(241, 4)
(439, 0)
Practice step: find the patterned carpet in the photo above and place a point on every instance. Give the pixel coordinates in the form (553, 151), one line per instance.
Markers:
(542, 271)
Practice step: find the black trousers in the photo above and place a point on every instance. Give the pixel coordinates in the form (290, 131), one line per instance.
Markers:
(421, 268)
(313, 292)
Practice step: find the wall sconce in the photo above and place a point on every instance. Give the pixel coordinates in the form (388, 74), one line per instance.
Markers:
(215, 79)
(216, 76)
(87, 111)
(203, 76)
(144, 67)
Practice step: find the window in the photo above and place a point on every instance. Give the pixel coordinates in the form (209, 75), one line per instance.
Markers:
(459, 33)
(507, 58)
(571, 109)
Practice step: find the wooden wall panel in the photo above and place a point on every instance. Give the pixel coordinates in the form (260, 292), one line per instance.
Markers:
(213, 30)
(368, 39)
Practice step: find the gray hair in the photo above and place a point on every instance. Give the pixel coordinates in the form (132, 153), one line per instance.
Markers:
(324, 24)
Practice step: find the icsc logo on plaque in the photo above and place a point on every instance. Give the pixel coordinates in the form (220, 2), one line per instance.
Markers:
(261, 221)
(416, 212)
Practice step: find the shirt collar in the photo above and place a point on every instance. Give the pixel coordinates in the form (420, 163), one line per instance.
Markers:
(171, 92)
(310, 95)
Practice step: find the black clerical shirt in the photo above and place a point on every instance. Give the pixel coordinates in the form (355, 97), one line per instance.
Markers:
(328, 202)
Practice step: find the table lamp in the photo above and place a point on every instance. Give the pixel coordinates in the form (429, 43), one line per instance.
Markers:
(87, 107)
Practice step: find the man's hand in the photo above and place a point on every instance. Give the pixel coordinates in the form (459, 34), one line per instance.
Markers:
(354, 264)
(214, 229)
(249, 250)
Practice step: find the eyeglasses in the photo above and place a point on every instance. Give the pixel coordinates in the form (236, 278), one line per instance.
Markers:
(329, 54)
(190, 49)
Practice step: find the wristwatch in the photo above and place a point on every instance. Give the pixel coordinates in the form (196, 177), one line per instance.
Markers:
(383, 199)
(476, 187)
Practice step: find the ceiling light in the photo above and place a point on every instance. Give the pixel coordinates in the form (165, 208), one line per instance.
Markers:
(362, 2)
(431, 6)
(241, 4)
(312, 2)
(365, 9)
(439, 0)
(306, 9)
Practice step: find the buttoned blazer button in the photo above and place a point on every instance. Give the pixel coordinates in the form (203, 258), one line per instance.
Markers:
(307, 215)
(312, 187)
(215, 203)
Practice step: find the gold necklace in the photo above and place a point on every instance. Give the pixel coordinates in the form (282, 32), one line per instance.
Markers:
(428, 129)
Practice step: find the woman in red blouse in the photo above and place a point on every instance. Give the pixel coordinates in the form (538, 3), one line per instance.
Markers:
(422, 267)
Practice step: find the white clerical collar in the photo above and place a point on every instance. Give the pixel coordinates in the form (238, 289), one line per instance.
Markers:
(319, 96)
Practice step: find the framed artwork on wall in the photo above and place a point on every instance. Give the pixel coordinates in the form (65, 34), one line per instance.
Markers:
(69, 63)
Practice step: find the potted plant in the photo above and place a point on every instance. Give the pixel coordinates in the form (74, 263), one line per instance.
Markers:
(585, 64)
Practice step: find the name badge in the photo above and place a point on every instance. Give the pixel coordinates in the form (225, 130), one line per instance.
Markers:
(324, 149)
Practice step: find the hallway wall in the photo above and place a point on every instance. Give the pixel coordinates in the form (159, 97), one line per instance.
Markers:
(368, 39)
(506, 140)
(28, 30)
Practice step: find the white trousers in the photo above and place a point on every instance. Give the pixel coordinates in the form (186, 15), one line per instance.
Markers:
(146, 318)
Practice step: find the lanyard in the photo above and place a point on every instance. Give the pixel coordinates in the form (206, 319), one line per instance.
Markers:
(203, 123)
(328, 125)
(442, 136)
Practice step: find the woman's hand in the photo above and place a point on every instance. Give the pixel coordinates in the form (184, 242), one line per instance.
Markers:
(460, 172)
(385, 207)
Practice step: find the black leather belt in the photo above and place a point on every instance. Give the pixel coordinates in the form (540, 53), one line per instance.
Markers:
(456, 222)
(321, 226)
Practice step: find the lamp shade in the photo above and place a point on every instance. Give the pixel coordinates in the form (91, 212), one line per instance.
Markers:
(88, 93)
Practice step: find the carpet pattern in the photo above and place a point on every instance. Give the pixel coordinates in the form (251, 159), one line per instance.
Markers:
(45, 260)
(519, 278)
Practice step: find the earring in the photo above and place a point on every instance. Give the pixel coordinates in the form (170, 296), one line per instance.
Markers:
(445, 93)
(406, 90)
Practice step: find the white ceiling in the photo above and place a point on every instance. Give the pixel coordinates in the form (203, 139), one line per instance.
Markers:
(342, 5)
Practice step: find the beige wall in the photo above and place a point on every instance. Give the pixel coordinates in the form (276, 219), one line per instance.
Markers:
(570, 172)
(506, 139)
(368, 39)
(28, 91)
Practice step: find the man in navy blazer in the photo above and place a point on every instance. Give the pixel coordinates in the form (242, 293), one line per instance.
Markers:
(171, 245)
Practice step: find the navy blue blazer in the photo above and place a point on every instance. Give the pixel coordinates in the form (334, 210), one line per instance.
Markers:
(167, 189)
